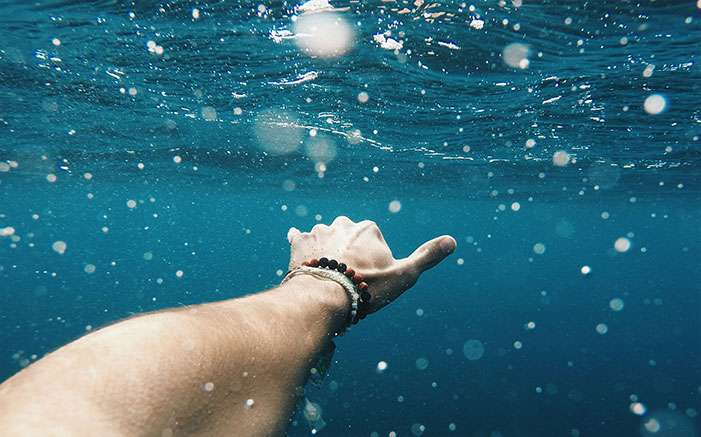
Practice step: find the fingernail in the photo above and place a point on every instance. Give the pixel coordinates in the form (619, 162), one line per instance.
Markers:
(447, 245)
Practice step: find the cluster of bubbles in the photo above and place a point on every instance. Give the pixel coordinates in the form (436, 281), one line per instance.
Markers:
(280, 132)
(319, 32)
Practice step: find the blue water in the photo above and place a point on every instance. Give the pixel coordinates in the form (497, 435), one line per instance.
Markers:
(143, 135)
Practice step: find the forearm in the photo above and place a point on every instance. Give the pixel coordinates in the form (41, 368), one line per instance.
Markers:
(228, 368)
(188, 370)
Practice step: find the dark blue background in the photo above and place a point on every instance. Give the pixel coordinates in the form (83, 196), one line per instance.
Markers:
(224, 222)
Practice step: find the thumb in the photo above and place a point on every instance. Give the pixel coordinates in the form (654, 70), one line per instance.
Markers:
(431, 253)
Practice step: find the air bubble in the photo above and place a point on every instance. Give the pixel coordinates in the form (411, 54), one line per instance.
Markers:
(417, 429)
(323, 34)
(277, 131)
(473, 349)
(622, 245)
(638, 408)
(209, 113)
(516, 55)
(654, 104)
(320, 148)
(561, 158)
(616, 304)
(59, 247)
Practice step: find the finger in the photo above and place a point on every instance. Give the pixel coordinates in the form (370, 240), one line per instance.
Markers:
(431, 253)
(292, 233)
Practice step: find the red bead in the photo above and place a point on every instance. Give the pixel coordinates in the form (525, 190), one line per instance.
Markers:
(305, 263)
(362, 287)
(357, 279)
(314, 262)
(349, 272)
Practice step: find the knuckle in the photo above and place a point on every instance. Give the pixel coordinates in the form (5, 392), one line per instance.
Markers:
(301, 236)
(319, 227)
(342, 219)
(369, 224)
(372, 227)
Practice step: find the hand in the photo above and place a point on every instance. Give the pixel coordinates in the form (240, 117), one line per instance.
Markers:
(362, 247)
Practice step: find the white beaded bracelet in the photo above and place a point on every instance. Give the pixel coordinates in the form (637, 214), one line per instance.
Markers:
(337, 277)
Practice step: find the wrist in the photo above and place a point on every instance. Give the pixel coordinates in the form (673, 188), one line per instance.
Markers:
(323, 301)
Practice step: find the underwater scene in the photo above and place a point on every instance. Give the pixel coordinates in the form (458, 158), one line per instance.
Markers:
(154, 154)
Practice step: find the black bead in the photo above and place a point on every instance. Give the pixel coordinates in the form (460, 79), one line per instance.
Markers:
(341, 267)
(365, 296)
(333, 264)
(323, 262)
(361, 316)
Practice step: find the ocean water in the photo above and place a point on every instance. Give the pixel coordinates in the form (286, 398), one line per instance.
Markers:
(154, 154)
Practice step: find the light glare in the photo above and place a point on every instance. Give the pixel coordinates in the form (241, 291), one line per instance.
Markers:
(325, 34)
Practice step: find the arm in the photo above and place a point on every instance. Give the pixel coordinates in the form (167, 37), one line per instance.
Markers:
(232, 367)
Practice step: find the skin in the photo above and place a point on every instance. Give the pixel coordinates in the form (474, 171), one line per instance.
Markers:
(234, 367)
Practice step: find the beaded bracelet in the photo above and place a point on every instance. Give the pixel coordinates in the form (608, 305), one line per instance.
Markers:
(352, 282)
(356, 278)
